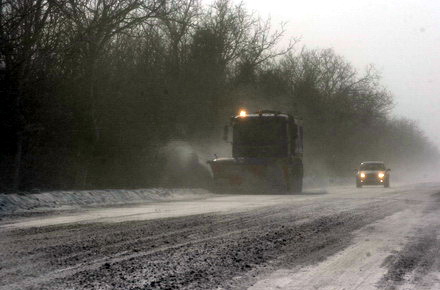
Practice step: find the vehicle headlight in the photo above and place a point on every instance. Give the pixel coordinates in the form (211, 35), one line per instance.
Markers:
(362, 175)
(381, 174)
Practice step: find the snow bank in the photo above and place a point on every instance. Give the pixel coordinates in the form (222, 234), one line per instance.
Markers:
(10, 203)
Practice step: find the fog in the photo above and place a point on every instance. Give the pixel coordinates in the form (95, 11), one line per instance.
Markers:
(400, 37)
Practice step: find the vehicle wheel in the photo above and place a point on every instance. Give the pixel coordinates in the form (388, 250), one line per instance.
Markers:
(295, 180)
(291, 181)
(358, 184)
(300, 183)
(297, 184)
(387, 183)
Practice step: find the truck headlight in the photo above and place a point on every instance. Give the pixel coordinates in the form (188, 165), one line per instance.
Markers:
(362, 175)
(381, 175)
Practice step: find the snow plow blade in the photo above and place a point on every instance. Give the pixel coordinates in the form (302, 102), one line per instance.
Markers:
(250, 174)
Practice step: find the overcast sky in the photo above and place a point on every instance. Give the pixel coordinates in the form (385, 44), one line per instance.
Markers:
(400, 37)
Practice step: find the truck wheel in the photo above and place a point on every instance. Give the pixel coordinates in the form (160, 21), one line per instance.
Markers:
(299, 184)
(387, 183)
(290, 180)
(297, 179)
(358, 184)
(300, 178)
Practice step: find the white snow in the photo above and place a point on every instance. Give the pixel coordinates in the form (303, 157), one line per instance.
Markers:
(10, 203)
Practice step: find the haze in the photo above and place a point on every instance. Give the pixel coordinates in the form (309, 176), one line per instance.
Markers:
(401, 38)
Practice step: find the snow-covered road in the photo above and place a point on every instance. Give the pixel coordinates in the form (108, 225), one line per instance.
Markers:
(334, 238)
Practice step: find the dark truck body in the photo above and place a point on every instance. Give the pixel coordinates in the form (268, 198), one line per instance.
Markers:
(267, 152)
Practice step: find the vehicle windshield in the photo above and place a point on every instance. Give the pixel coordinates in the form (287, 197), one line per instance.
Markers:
(260, 137)
(372, 166)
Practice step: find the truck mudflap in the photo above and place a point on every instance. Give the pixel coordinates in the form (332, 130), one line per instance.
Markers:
(256, 174)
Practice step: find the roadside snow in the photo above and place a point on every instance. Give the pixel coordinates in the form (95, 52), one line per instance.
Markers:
(10, 203)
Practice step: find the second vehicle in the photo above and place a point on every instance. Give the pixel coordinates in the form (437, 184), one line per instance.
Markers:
(372, 173)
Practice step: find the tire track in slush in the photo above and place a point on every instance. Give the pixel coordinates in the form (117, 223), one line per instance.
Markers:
(214, 262)
(208, 251)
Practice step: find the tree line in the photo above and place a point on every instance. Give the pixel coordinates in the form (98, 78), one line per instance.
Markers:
(91, 90)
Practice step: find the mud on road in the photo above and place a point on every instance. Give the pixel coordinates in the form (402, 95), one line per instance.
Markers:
(220, 250)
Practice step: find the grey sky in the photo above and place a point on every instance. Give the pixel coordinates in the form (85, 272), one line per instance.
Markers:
(400, 37)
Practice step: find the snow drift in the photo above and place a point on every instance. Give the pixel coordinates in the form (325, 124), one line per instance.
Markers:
(10, 203)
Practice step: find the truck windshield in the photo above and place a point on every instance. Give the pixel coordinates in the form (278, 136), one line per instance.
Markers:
(260, 137)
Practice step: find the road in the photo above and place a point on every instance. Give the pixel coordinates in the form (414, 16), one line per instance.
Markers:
(335, 238)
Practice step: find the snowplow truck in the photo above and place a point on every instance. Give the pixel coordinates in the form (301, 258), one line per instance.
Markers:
(267, 153)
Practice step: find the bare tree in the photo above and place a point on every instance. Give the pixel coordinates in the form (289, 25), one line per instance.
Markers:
(179, 19)
(23, 24)
(92, 24)
(244, 35)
